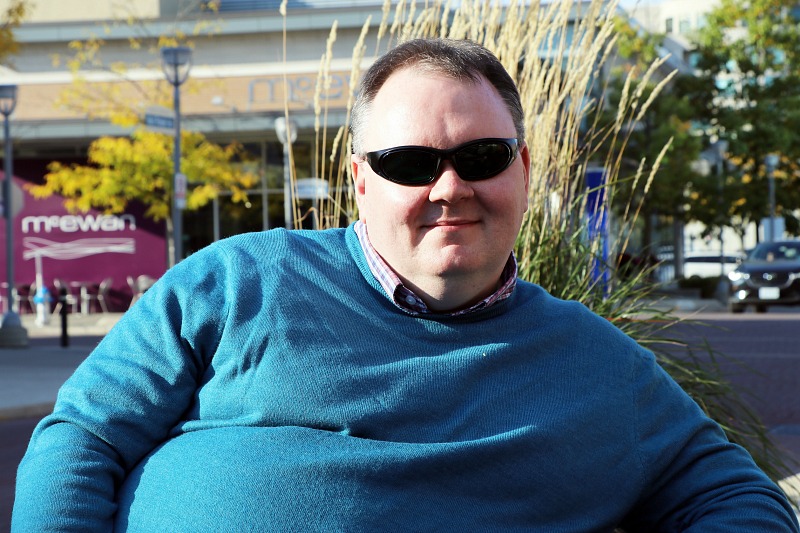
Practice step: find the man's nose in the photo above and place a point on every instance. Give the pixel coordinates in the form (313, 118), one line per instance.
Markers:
(448, 186)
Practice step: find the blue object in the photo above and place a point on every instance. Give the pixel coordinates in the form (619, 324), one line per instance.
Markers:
(42, 296)
(597, 223)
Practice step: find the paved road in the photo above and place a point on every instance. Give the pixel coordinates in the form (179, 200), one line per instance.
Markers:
(29, 379)
(14, 435)
(760, 355)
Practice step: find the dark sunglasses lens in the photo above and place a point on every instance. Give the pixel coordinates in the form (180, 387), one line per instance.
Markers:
(410, 166)
(482, 160)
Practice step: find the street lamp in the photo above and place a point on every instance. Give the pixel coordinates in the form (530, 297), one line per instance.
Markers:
(11, 331)
(176, 63)
(287, 134)
(721, 147)
(772, 163)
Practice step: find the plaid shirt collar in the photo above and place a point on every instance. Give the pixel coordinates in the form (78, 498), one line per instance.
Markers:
(405, 298)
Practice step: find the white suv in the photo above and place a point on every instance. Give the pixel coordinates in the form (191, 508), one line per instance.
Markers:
(708, 265)
(698, 265)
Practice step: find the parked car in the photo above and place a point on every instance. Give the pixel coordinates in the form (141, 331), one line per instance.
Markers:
(769, 276)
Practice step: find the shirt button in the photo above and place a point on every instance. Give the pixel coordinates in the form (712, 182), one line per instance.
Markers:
(410, 300)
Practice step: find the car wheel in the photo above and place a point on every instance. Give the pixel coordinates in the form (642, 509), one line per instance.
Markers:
(737, 308)
(761, 309)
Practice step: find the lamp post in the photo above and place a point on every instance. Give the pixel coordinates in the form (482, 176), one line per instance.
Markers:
(176, 63)
(771, 162)
(287, 134)
(721, 149)
(11, 331)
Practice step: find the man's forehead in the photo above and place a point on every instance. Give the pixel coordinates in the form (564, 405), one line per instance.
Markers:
(422, 87)
(419, 70)
(430, 108)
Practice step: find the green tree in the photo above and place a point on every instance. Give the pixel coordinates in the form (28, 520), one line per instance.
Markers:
(665, 121)
(748, 92)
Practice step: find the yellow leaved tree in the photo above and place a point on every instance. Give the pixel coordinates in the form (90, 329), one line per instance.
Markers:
(139, 167)
(10, 18)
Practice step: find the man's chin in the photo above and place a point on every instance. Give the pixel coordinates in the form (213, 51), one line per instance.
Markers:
(456, 260)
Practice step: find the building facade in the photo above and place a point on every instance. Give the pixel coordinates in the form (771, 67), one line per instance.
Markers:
(239, 82)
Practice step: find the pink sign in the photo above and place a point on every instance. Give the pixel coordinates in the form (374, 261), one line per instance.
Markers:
(83, 249)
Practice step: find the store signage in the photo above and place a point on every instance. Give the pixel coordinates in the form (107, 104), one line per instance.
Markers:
(298, 89)
(77, 223)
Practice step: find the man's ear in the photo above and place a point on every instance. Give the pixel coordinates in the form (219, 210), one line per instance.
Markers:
(525, 157)
(360, 184)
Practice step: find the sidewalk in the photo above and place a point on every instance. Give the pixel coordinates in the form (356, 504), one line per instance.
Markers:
(673, 299)
(685, 304)
(31, 376)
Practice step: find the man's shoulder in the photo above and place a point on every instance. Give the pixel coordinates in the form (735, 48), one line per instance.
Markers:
(572, 320)
(536, 295)
(544, 304)
(279, 241)
(289, 235)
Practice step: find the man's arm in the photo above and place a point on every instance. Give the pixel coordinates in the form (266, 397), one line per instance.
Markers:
(118, 405)
(694, 479)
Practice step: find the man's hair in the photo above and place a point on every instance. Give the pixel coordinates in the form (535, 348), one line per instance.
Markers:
(458, 59)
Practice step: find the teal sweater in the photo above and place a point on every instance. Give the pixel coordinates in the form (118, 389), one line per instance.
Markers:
(267, 383)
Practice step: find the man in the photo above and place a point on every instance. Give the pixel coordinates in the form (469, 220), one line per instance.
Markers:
(393, 376)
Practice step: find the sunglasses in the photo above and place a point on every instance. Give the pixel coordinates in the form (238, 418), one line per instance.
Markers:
(419, 165)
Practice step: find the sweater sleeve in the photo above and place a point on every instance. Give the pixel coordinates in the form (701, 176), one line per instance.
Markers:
(121, 402)
(693, 478)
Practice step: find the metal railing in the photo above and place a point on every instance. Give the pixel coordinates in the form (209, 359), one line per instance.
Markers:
(259, 5)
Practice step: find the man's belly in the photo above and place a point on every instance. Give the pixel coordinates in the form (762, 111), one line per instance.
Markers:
(300, 479)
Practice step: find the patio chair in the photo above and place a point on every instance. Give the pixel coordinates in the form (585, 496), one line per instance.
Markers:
(100, 296)
(134, 292)
(138, 286)
(23, 297)
(4, 297)
(144, 282)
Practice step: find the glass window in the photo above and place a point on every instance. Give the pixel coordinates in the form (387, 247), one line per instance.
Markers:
(776, 251)
(264, 208)
(701, 20)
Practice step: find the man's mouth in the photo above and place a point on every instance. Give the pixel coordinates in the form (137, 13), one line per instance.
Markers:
(452, 222)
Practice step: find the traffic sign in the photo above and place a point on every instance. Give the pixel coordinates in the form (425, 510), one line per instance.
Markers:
(160, 119)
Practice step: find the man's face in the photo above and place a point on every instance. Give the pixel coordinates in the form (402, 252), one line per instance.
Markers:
(451, 228)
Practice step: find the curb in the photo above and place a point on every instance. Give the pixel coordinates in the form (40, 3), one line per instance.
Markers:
(26, 411)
